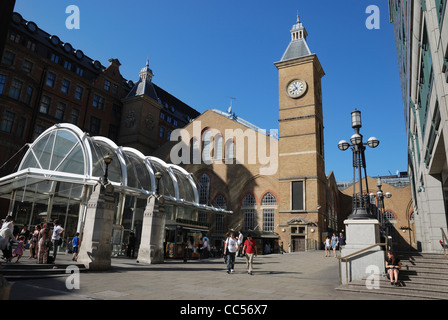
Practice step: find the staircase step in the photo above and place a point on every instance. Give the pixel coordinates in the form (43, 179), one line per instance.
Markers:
(17, 271)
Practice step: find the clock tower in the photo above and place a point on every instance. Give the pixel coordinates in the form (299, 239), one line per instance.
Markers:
(302, 179)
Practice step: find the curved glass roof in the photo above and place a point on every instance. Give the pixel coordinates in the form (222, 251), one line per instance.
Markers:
(65, 152)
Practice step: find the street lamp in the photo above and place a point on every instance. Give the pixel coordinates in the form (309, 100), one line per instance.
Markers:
(380, 195)
(107, 160)
(360, 205)
(158, 176)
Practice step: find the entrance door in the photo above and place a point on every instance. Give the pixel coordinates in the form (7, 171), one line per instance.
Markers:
(298, 244)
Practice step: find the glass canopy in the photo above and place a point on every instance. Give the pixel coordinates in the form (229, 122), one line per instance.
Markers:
(64, 153)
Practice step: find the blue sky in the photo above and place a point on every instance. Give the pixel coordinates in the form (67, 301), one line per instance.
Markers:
(206, 51)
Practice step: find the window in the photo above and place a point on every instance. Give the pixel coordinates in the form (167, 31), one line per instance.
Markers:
(389, 216)
(230, 151)
(219, 223)
(78, 92)
(51, 79)
(31, 45)
(204, 189)
(218, 147)
(27, 66)
(268, 219)
(113, 132)
(79, 71)
(65, 86)
(29, 95)
(162, 132)
(116, 110)
(248, 208)
(8, 58)
(95, 125)
(106, 85)
(168, 119)
(206, 150)
(2, 82)
(162, 116)
(297, 195)
(175, 122)
(54, 58)
(7, 122)
(114, 89)
(168, 135)
(60, 111)
(74, 116)
(45, 105)
(98, 102)
(67, 65)
(16, 89)
(14, 37)
(38, 131)
(269, 200)
(220, 202)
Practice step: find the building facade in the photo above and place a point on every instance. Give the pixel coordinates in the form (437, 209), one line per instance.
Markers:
(421, 34)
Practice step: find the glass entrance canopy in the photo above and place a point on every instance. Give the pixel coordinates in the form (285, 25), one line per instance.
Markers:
(57, 173)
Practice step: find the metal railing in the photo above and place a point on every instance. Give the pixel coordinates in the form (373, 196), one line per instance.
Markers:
(351, 255)
(444, 242)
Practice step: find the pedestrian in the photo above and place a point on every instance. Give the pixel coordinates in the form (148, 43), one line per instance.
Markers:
(240, 242)
(205, 248)
(230, 248)
(393, 266)
(56, 237)
(18, 252)
(131, 245)
(6, 237)
(327, 245)
(75, 244)
(250, 250)
(341, 241)
(334, 243)
(44, 244)
(34, 242)
(25, 232)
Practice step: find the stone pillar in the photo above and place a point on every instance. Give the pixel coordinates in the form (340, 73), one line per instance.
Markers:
(95, 250)
(360, 234)
(153, 232)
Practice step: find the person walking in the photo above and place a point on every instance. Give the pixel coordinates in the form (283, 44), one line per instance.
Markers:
(44, 244)
(327, 245)
(56, 238)
(34, 242)
(240, 243)
(75, 244)
(6, 237)
(250, 250)
(230, 248)
(334, 243)
(341, 241)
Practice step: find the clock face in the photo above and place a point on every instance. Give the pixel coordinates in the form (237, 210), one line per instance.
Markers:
(296, 88)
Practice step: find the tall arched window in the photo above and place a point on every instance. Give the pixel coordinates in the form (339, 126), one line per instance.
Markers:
(219, 202)
(268, 203)
(218, 147)
(206, 150)
(230, 151)
(248, 207)
(389, 216)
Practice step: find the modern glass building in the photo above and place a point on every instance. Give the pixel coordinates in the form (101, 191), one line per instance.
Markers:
(58, 172)
(421, 35)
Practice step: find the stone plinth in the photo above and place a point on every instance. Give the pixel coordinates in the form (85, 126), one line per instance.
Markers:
(360, 234)
(95, 249)
(153, 229)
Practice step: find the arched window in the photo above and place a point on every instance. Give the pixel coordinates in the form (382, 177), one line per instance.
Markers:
(389, 216)
(207, 148)
(230, 151)
(268, 201)
(220, 202)
(218, 147)
(249, 211)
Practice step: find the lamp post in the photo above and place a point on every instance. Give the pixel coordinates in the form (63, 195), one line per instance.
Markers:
(360, 207)
(380, 200)
(158, 176)
(107, 160)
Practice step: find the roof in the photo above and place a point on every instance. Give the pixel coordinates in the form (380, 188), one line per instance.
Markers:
(296, 49)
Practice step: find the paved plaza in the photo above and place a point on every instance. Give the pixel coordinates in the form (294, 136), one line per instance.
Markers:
(295, 276)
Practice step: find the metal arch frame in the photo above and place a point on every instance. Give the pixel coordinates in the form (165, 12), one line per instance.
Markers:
(147, 165)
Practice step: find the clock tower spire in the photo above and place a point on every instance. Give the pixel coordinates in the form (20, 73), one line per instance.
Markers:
(302, 178)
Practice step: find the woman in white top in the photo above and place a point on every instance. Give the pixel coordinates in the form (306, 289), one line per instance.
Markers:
(327, 246)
